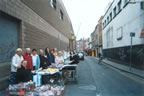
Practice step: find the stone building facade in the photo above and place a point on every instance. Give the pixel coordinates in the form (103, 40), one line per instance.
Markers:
(121, 18)
(31, 23)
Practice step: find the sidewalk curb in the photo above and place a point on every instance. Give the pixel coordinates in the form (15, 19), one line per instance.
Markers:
(128, 71)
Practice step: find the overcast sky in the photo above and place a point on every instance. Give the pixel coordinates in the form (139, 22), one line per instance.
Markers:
(85, 14)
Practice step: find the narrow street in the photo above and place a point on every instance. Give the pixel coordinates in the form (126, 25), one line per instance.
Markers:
(100, 80)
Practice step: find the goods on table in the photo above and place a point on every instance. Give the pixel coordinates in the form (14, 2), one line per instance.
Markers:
(51, 70)
(21, 88)
(48, 90)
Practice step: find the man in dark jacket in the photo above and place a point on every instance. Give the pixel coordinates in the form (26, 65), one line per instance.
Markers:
(23, 74)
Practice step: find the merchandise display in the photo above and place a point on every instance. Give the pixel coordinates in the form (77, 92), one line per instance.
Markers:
(48, 90)
(51, 70)
(20, 89)
(52, 78)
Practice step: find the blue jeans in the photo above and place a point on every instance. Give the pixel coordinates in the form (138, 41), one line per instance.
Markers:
(12, 78)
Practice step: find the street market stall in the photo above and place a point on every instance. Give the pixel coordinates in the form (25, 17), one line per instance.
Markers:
(46, 82)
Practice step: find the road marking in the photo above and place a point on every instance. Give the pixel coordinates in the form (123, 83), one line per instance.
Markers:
(98, 95)
(90, 87)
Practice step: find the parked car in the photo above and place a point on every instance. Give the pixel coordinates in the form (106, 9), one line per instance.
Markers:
(81, 55)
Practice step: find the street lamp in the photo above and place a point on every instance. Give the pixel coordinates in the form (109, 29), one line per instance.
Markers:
(132, 34)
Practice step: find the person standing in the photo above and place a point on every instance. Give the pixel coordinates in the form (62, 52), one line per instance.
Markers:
(27, 56)
(73, 58)
(35, 59)
(44, 62)
(53, 57)
(55, 52)
(71, 55)
(48, 54)
(16, 64)
(59, 59)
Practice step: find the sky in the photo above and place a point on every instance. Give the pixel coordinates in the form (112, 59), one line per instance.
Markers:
(84, 15)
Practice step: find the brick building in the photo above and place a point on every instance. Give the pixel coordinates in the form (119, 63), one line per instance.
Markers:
(31, 23)
(100, 35)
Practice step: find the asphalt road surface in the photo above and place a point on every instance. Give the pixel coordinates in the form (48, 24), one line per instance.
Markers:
(101, 80)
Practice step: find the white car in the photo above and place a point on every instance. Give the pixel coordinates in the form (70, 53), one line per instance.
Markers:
(81, 55)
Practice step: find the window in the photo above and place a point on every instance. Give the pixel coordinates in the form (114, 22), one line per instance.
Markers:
(119, 33)
(107, 20)
(114, 11)
(105, 23)
(53, 3)
(61, 15)
(119, 6)
(126, 2)
(110, 16)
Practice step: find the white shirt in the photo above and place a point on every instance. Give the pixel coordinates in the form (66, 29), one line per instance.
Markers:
(34, 59)
(16, 61)
(59, 59)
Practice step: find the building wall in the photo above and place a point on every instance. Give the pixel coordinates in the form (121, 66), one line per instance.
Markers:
(51, 15)
(20, 11)
(35, 30)
(100, 30)
(129, 19)
(116, 33)
(95, 37)
(80, 45)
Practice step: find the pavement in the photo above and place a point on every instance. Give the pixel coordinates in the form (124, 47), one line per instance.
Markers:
(100, 80)
(124, 68)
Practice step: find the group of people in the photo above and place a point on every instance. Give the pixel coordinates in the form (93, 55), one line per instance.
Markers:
(23, 64)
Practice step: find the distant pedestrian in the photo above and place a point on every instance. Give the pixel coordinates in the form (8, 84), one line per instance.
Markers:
(16, 64)
(99, 55)
(35, 60)
(44, 62)
(27, 56)
(100, 58)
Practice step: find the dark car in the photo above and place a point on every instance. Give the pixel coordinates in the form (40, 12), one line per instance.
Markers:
(81, 55)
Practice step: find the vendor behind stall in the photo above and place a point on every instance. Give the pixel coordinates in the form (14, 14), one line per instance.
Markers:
(59, 58)
(23, 74)
(73, 57)
(27, 56)
(35, 59)
(44, 62)
(53, 57)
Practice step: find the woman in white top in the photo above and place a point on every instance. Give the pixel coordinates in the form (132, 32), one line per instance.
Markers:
(59, 58)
